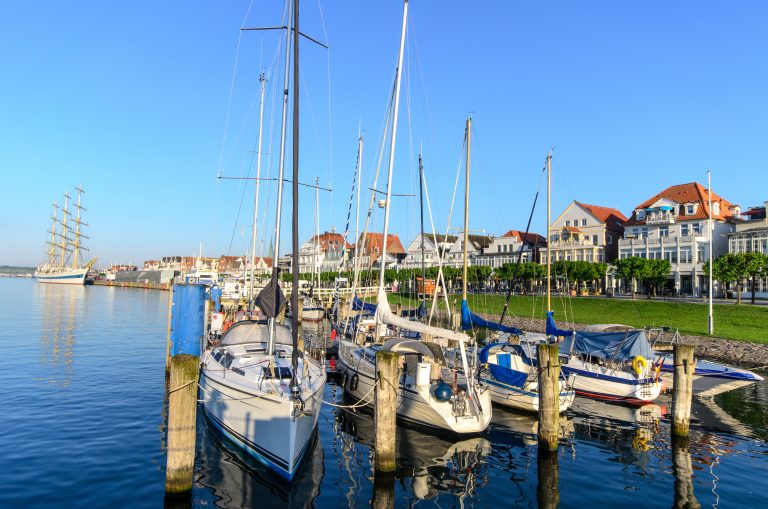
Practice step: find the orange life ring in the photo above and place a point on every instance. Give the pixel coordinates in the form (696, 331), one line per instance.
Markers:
(227, 325)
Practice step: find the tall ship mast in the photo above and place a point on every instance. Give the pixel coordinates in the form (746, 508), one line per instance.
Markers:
(64, 263)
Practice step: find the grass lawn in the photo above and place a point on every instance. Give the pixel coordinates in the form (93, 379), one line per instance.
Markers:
(742, 322)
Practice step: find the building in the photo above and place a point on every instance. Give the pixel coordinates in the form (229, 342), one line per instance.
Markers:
(412, 258)
(454, 257)
(751, 235)
(370, 252)
(507, 249)
(672, 225)
(324, 252)
(584, 232)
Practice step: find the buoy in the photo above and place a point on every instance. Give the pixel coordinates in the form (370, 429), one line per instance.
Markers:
(332, 363)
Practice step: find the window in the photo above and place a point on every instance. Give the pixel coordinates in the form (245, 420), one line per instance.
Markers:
(683, 230)
(594, 240)
(568, 223)
(685, 256)
(644, 232)
(584, 222)
(609, 239)
(635, 231)
(498, 249)
(716, 208)
(690, 209)
(701, 256)
(697, 228)
(664, 231)
(640, 215)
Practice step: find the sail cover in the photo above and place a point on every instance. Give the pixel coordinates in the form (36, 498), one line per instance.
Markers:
(502, 370)
(469, 320)
(359, 305)
(419, 312)
(552, 329)
(271, 299)
(619, 346)
(384, 315)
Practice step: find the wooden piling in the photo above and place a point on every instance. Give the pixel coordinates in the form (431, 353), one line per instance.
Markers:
(383, 490)
(549, 396)
(182, 410)
(547, 490)
(385, 409)
(682, 389)
(170, 330)
(682, 468)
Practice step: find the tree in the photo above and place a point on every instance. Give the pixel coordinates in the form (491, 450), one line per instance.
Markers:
(656, 273)
(755, 266)
(631, 268)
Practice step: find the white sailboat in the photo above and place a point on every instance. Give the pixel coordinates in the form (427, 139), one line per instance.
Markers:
(429, 393)
(63, 265)
(258, 388)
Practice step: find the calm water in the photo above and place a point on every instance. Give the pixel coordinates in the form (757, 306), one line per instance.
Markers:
(83, 375)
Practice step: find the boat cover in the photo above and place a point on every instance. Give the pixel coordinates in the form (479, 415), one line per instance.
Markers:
(619, 346)
(552, 329)
(251, 331)
(384, 315)
(502, 371)
(358, 305)
(469, 320)
(419, 312)
(271, 299)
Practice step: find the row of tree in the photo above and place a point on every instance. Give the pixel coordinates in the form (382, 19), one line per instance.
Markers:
(735, 269)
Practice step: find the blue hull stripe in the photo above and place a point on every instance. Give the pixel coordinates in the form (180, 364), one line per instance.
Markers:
(73, 276)
(600, 376)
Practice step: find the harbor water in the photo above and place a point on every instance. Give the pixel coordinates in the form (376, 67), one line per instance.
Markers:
(82, 371)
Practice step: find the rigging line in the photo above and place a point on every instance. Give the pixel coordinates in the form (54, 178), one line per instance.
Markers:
(275, 179)
(240, 207)
(330, 115)
(485, 165)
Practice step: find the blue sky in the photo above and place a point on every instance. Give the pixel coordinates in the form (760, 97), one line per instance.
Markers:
(145, 103)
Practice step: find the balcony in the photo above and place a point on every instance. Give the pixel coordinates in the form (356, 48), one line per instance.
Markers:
(660, 218)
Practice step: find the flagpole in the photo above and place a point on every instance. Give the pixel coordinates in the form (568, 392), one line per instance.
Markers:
(710, 321)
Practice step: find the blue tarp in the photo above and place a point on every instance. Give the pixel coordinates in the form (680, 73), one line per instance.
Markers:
(469, 320)
(502, 372)
(620, 346)
(417, 313)
(358, 305)
(552, 329)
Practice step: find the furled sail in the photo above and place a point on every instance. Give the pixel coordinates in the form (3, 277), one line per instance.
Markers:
(359, 305)
(386, 316)
(552, 329)
(469, 320)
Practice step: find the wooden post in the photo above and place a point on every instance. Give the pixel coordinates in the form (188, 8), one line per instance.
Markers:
(170, 330)
(383, 490)
(182, 410)
(549, 396)
(385, 409)
(682, 389)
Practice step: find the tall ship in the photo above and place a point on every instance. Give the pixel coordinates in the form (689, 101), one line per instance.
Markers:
(64, 263)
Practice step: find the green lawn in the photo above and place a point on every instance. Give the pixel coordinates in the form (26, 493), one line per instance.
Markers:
(742, 322)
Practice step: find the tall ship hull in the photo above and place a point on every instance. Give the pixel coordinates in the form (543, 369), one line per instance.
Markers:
(62, 277)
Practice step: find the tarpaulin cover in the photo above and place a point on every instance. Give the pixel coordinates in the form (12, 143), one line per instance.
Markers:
(419, 312)
(502, 371)
(469, 319)
(552, 329)
(620, 346)
(357, 305)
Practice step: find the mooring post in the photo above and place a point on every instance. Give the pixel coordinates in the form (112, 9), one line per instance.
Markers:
(683, 471)
(383, 490)
(549, 396)
(547, 491)
(170, 332)
(682, 389)
(187, 333)
(385, 411)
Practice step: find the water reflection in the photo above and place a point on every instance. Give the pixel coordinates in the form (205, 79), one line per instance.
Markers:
(225, 477)
(547, 491)
(683, 471)
(59, 311)
(429, 465)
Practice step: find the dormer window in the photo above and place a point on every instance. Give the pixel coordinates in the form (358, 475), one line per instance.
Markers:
(716, 208)
(640, 215)
(690, 209)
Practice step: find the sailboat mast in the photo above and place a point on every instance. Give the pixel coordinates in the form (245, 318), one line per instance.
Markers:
(280, 179)
(76, 251)
(421, 209)
(711, 320)
(64, 228)
(256, 194)
(392, 148)
(52, 250)
(466, 210)
(549, 237)
(318, 248)
(356, 264)
(295, 219)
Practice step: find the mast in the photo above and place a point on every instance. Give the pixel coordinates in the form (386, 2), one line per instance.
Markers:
(549, 240)
(280, 179)
(262, 79)
(318, 248)
(52, 250)
(392, 149)
(466, 211)
(64, 230)
(78, 222)
(710, 321)
(295, 389)
(421, 209)
(356, 263)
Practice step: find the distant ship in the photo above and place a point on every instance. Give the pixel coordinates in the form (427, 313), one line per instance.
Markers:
(65, 247)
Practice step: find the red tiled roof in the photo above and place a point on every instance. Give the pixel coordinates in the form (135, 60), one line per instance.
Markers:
(572, 229)
(531, 238)
(607, 215)
(332, 239)
(374, 241)
(692, 192)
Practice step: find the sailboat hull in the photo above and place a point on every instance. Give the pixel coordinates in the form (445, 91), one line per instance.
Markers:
(62, 277)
